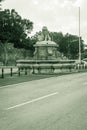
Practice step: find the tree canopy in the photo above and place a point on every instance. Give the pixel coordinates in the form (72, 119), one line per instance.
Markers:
(1, 0)
(13, 28)
(70, 46)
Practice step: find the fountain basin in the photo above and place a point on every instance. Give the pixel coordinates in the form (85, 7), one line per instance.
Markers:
(46, 66)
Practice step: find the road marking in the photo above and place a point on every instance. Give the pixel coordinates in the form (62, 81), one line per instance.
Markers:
(32, 101)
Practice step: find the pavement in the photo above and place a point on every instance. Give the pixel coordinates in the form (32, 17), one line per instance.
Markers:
(56, 103)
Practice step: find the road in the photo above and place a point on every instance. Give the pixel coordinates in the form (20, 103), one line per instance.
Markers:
(56, 103)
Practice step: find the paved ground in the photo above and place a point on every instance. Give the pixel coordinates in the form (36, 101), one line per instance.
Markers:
(58, 103)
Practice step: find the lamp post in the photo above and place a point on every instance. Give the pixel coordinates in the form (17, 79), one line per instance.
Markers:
(79, 39)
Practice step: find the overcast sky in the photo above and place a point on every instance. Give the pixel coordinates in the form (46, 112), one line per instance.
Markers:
(57, 15)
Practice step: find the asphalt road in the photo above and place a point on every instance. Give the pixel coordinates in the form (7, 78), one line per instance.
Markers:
(58, 103)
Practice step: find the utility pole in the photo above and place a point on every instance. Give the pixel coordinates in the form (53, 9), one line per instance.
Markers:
(79, 39)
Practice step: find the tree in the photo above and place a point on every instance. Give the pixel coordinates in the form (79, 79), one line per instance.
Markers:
(73, 46)
(1, 0)
(69, 46)
(56, 37)
(14, 29)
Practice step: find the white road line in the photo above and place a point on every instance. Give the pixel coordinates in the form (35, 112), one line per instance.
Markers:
(32, 101)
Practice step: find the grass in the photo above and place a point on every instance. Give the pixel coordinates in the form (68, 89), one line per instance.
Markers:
(8, 80)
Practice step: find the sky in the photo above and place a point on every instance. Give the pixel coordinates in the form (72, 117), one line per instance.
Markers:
(57, 15)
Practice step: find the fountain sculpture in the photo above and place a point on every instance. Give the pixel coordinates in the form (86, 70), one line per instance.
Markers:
(45, 49)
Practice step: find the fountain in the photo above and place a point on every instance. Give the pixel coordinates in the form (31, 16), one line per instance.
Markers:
(45, 49)
(46, 58)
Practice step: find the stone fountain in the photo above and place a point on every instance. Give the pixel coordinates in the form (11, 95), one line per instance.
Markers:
(46, 58)
(45, 49)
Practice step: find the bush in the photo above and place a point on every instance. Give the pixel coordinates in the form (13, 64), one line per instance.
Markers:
(9, 54)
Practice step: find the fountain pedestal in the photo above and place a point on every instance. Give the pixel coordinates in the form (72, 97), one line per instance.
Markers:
(45, 50)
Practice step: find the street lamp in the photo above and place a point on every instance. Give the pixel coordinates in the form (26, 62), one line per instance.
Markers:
(79, 39)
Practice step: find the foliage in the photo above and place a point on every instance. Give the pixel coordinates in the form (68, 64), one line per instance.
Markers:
(72, 46)
(84, 54)
(12, 54)
(56, 37)
(13, 28)
(68, 44)
(1, 0)
(0, 4)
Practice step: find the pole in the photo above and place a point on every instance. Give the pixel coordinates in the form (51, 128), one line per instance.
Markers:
(2, 72)
(79, 39)
(11, 71)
